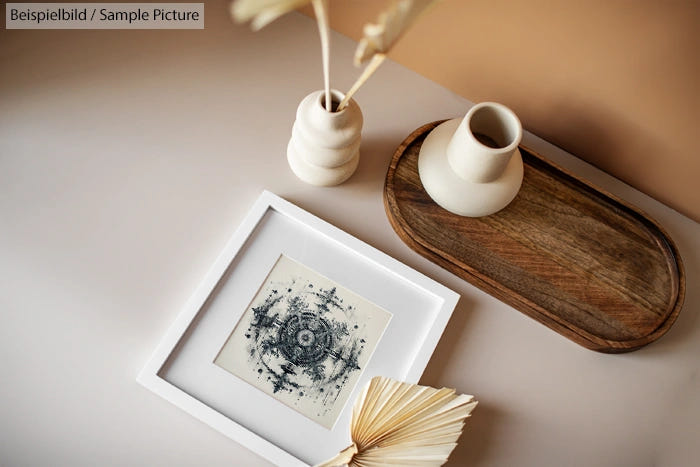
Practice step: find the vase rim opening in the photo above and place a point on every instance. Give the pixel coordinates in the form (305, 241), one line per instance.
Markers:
(336, 98)
(494, 126)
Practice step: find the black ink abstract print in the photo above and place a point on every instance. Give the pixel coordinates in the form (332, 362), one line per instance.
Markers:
(304, 340)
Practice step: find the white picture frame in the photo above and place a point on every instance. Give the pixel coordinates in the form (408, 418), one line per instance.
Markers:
(182, 369)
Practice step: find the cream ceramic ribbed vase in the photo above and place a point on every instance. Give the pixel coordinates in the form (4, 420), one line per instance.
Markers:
(472, 166)
(324, 148)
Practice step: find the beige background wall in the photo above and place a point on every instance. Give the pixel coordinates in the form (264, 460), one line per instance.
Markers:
(615, 82)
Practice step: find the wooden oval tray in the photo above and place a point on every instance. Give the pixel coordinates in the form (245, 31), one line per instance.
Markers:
(578, 260)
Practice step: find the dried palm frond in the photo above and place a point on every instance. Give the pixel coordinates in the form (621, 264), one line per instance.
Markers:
(381, 36)
(396, 423)
(263, 12)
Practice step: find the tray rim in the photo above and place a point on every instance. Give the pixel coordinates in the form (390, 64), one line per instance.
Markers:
(517, 301)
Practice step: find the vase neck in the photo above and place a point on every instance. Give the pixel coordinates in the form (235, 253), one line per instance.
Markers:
(484, 142)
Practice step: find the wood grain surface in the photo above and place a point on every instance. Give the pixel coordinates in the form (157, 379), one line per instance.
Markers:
(579, 260)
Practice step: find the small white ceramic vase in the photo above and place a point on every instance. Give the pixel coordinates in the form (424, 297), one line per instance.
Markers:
(324, 148)
(472, 166)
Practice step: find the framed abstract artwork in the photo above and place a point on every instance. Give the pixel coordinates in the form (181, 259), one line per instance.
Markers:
(292, 320)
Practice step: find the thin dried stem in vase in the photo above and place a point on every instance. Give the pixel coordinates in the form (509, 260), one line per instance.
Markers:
(377, 60)
(321, 13)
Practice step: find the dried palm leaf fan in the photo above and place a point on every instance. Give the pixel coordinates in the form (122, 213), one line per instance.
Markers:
(378, 38)
(405, 424)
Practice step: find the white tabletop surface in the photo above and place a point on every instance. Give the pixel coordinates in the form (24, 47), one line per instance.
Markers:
(128, 158)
